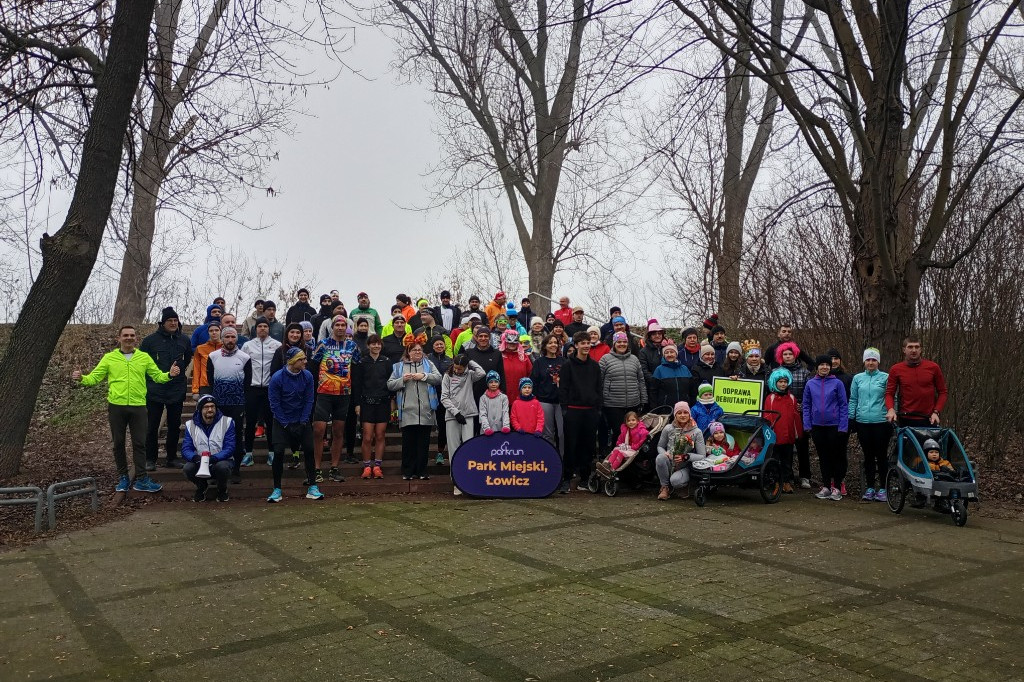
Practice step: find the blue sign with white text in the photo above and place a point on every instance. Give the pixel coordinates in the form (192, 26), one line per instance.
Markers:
(507, 465)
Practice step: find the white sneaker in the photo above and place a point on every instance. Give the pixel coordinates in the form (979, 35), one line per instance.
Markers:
(835, 494)
(823, 494)
(805, 483)
(457, 492)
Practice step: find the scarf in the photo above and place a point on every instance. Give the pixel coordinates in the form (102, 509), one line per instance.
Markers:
(692, 348)
(492, 394)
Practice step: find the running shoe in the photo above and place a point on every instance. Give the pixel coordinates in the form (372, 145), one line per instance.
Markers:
(842, 488)
(351, 459)
(223, 496)
(367, 472)
(881, 496)
(260, 431)
(122, 485)
(377, 473)
(147, 485)
(247, 460)
(335, 475)
(314, 493)
(294, 464)
(823, 494)
(318, 477)
(270, 458)
(835, 495)
(439, 459)
(869, 495)
(805, 483)
(150, 466)
(200, 495)
(424, 478)
(275, 496)
(787, 488)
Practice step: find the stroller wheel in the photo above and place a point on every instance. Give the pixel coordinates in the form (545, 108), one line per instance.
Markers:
(611, 486)
(594, 482)
(895, 491)
(958, 510)
(771, 481)
(700, 496)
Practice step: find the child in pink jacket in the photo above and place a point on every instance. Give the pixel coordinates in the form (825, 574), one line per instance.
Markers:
(526, 413)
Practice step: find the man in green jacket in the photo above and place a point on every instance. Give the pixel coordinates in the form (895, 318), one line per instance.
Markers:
(125, 370)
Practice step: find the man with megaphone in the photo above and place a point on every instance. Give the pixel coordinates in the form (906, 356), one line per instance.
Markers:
(208, 448)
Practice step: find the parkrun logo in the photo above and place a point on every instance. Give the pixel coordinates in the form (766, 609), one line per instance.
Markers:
(506, 451)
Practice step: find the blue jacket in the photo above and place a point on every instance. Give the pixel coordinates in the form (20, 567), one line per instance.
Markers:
(867, 397)
(291, 396)
(672, 383)
(705, 414)
(202, 333)
(825, 404)
(218, 438)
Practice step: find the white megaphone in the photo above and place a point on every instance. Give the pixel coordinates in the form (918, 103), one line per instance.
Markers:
(204, 466)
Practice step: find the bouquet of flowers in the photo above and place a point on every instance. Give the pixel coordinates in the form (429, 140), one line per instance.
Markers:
(682, 446)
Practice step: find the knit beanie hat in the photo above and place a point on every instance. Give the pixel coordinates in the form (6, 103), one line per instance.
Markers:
(716, 427)
(493, 376)
(930, 444)
(681, 405)
(525, 381)
(734, 346)
(592, 329)
(706, 348)
(872, 353)
(305, 324)
(705, 394)
(261, 320)
(293, 355)
(536, 320)
(711, 322)
(168, 314)
(823, 360)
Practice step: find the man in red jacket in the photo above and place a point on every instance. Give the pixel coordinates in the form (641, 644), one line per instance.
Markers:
(919, 385)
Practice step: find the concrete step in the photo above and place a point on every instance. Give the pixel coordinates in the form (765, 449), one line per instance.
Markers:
(258, 488)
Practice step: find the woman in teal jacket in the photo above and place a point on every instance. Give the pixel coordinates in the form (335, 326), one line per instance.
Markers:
(867, 418)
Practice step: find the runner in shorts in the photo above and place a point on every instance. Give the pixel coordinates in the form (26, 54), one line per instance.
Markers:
(373, 404)
(334, 357)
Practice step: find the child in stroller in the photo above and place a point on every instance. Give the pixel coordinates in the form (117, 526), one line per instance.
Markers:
(935, 461)
(632, 434)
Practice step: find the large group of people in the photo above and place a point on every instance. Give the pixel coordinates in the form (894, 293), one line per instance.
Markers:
(334, 375)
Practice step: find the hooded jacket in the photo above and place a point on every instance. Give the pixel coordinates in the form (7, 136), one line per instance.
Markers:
(201, 334)
(166, 349)
(217, 438)
(825, 404)
(291, 396)
(788, 423)
(199, 358)
(515, 369)
(299, 312)
(623, 380)
(457, 392)
(705, 414)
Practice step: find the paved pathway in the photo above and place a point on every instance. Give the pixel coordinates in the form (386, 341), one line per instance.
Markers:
(578, 588)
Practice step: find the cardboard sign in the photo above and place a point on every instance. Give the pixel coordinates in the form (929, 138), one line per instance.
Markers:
(736, 396)
(507, 465)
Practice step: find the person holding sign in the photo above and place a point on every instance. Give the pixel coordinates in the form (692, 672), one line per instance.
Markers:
(680, 444)
(753, 367)
(826, 416)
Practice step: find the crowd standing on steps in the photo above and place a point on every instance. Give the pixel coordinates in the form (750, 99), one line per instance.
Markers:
(327, 377)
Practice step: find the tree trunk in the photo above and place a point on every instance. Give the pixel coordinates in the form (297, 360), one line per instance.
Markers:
(133, 286)
(70, 255)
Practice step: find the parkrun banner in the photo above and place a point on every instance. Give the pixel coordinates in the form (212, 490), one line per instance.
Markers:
(507, 465)
(735, 396)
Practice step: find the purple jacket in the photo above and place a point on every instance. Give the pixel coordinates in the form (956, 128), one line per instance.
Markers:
(825, 404)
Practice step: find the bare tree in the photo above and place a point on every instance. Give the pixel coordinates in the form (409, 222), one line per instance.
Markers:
(521, 88)
(712, 142)
(902, 110)
(70, 254)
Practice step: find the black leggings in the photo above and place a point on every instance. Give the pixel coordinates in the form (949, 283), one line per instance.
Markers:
(874, 441)
(299, 441)
(803, 455)
(257, 410)
(580, 442)
(830, 444)
(415, 445)
(784, 453)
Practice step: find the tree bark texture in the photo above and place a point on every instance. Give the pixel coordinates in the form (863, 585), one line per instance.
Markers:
(70, 255)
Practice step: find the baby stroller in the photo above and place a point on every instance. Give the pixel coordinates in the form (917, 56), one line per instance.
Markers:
(909, 473)
(753, 466)
(639, 469)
